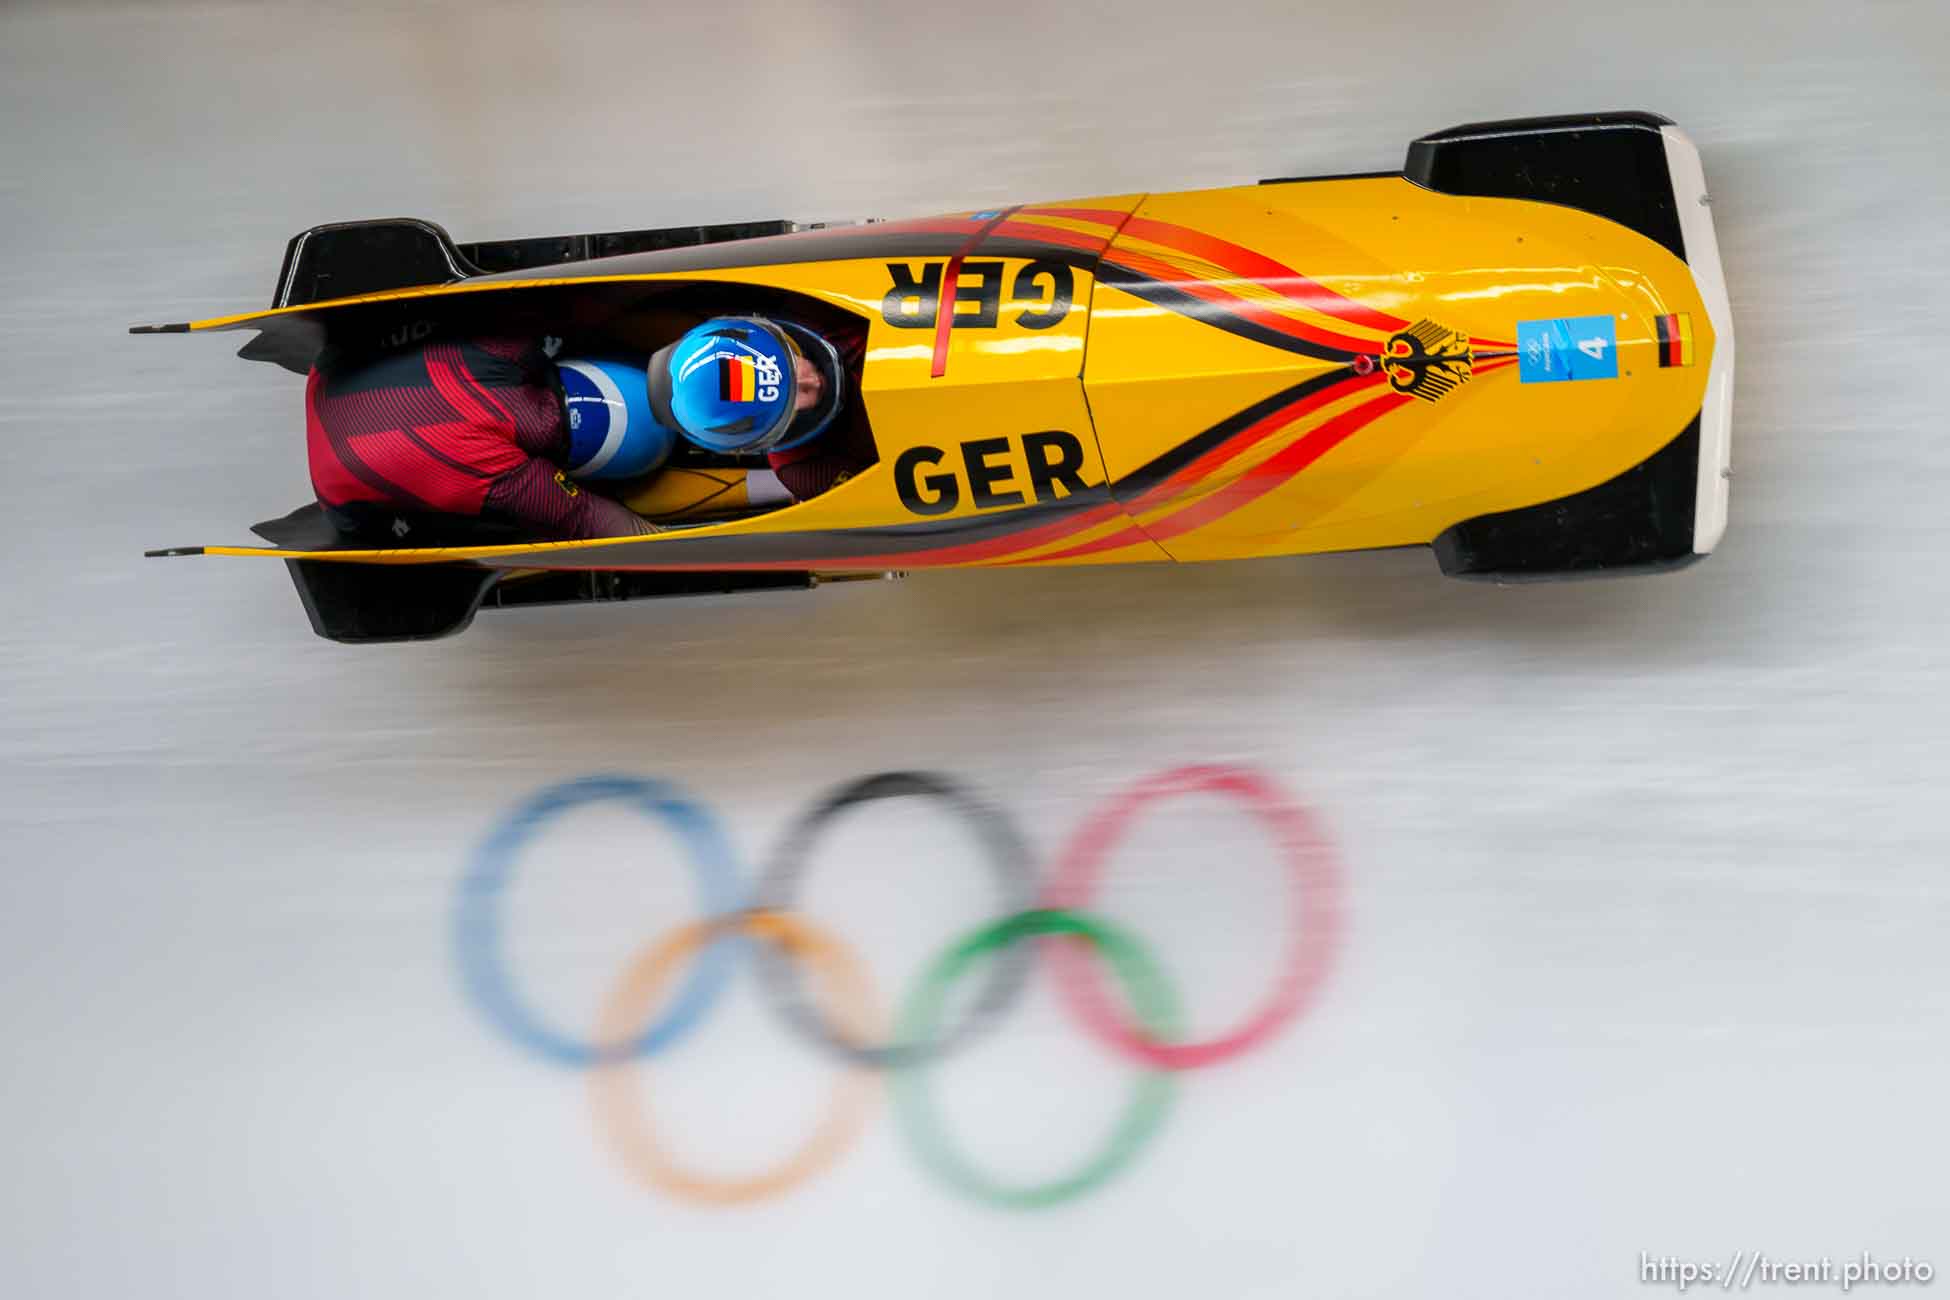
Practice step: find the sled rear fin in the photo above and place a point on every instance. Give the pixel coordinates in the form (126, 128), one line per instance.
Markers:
(349, 258)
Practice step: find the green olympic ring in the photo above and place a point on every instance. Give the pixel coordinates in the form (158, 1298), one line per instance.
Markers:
(1151, 996)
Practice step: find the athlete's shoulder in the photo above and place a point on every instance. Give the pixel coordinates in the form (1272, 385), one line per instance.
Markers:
(507, 362)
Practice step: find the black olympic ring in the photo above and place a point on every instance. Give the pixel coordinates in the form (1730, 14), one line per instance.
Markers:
(1006, 851)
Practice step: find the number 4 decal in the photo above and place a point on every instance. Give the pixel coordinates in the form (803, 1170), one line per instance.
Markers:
(1567, 348)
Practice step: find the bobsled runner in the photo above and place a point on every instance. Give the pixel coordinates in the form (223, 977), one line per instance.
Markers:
(1517, 350)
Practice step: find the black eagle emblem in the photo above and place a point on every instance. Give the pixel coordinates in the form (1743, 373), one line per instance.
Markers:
(1428, 361)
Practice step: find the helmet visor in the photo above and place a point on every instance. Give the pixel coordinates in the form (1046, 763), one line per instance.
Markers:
(824, 358)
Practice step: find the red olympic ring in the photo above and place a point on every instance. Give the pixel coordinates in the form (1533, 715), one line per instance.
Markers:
(1314, 897)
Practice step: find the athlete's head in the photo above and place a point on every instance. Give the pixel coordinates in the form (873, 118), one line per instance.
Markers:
(747, 384)
(612, 430)
(811, 385)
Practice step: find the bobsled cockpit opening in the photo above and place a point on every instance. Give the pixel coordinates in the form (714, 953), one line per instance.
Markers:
(704, 484)
(625, 323)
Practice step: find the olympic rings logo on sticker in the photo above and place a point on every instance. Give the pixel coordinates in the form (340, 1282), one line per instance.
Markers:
(848, 1023)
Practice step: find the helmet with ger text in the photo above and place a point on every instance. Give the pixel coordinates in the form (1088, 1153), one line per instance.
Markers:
(747, 384)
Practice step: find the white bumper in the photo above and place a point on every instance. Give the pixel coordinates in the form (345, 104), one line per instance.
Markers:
(1716, 415)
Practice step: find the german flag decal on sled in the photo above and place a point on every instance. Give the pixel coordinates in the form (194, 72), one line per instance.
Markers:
(1675, 339)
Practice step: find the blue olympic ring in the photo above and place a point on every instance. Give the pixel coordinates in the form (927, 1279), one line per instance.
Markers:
(477, 921)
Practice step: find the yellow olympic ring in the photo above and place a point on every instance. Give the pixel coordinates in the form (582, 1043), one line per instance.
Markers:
(617, 1096)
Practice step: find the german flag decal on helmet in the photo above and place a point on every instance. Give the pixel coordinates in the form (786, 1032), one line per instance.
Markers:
(736, 382)
(1675, 339)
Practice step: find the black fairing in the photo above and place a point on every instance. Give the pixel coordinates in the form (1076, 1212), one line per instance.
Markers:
(519, 254)
(1638, 522)
(1611, 165)
(358, 257)
(586, 586)
(360, 603)
(364, 603)
(363, 526)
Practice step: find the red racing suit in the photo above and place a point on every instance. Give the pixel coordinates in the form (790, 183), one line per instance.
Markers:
(472, 428)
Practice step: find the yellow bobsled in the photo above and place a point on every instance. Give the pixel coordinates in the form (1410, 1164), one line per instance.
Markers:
(1517, 350)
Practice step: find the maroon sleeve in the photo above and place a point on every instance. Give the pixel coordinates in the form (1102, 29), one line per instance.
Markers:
(840, 452)
(547, 500)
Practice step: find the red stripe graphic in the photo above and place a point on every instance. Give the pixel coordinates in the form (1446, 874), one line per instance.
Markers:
(1253, 488)
(1017, 228)
(1247, 438)
(1263, 478)
(945, 317)
(1249, 265)
(1102, 216)
(1129, 535)
(994, 547)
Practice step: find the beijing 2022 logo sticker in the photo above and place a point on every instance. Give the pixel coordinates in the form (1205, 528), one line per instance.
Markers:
(1041, 924)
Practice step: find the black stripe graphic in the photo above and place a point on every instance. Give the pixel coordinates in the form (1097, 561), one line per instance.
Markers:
(809, 548)
(1151, 474)
(1160, 294)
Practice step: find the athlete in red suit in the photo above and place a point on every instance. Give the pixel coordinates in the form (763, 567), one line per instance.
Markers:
(471, 428)
(479, 428)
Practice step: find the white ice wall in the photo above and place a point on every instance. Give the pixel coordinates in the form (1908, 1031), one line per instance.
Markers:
(1642, 942)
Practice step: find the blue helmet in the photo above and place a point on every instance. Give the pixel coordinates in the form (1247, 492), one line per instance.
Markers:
(612, 433)
(731, 384)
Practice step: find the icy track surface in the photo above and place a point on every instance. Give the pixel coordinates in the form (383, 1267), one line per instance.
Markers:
(1625, 902)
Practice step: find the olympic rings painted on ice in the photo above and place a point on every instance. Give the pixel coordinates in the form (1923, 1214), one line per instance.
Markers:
(850, 1029)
